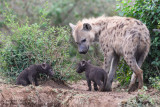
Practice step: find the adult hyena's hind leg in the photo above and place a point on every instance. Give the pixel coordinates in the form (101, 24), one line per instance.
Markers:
(140, 56)
(134, 56)
(137, 73)
(139, 59)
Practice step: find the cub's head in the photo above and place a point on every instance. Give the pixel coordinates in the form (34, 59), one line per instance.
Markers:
(82, 66)
(47, 69)
(84, 35)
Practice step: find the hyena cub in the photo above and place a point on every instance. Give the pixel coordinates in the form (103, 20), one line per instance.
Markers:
(30, 74)
(93, 73)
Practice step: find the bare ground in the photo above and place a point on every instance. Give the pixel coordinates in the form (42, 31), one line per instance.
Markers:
(52, 94)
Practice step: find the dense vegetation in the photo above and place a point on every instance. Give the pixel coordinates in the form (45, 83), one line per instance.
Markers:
(35, 43)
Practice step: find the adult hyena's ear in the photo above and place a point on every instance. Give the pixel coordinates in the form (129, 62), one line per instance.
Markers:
(72, 26)
(87, 27)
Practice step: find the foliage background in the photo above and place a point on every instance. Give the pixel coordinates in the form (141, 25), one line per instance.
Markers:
(33, 31)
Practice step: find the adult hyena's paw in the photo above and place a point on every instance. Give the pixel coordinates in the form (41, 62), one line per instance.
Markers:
(108, 87)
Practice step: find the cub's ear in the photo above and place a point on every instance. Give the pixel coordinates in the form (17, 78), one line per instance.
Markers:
(44, 65)
(89, 61)
(72, 26)
(83, 63)
(87, 27)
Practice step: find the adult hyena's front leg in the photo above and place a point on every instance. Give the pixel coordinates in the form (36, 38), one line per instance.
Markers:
(108, 56)
(113, 67)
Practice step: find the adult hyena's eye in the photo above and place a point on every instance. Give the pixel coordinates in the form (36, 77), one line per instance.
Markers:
(84, 40)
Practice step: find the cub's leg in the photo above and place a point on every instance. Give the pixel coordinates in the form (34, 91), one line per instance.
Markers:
(31, 80)
(95, 86)
(23, 82)
(99, 83)
(89, 84)
(36, 82)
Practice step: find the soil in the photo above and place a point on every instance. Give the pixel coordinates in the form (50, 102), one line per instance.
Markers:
(53, 94)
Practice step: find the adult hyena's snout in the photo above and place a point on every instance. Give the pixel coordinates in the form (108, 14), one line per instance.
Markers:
(83, 49)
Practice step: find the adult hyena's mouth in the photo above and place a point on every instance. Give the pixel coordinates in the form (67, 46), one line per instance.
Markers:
(83, 49)
(83, 52)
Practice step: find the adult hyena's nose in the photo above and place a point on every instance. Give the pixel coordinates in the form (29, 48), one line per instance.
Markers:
(83, 49)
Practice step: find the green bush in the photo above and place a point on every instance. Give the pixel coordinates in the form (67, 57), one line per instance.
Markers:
(148, 11)
(123, 74)
(155, 82)
(33, 44)
(143, 99)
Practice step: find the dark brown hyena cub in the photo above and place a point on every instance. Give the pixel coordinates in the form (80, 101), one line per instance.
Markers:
(93, 73)
(30, 74)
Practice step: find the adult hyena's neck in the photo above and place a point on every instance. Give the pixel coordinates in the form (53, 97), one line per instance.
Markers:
(100, 25)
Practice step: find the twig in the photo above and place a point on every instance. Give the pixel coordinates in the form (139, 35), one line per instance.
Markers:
(156, 30)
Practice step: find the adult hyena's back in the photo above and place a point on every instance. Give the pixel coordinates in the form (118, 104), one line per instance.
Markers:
(125, 35)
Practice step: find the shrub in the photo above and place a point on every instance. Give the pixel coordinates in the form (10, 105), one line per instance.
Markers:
(143, 99)
(148, 11)
(123, 73)
(36, 43)
(155, 82)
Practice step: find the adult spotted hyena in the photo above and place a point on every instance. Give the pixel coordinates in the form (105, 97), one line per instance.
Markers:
(118, 36)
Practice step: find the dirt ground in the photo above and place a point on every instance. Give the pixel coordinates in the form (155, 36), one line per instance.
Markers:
(52, 94)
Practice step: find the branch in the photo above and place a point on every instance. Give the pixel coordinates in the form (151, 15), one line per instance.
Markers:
(156, 30)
